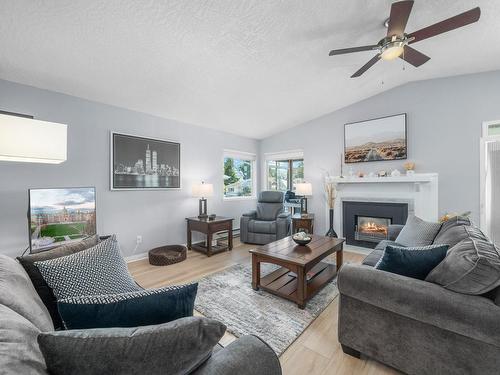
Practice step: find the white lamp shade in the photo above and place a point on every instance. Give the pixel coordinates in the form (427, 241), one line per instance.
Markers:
(27, 140)
(304, 188)
(203, 190)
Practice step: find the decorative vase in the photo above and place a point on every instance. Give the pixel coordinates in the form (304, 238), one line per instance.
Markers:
(331, 231)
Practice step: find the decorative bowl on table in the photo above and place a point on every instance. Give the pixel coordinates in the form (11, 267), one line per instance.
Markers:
(301, 238)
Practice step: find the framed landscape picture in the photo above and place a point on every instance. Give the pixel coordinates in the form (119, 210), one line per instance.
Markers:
(139, 163)
(376, 140)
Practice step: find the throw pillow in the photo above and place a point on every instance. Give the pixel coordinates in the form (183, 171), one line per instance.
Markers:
(178, 347)
(42, 288)
(95, 271)
(471, 267)
(146, 307)
(415, 262)
(418, 232)
(453, 234)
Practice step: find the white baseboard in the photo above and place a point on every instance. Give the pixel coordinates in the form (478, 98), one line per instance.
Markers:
(134, 257)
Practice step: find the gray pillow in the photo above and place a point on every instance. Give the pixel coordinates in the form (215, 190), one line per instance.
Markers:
(19, 352)
(471, 267)
(452, 235)
(98, 270)
(418, 232)
(172, 348)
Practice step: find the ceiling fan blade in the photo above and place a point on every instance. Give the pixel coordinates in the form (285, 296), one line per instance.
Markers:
(353, 49)
(414, 57)
(400, 12)
(449, 24)
(367, 66)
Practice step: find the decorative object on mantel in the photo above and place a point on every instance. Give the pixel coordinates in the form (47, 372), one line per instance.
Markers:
(450, 215)
(23, 139)
(382, 174)
(410, 168)
(361, 174)
(395, 173)
(203, 191)
(305, 190)
(341, 165)
(331, 194)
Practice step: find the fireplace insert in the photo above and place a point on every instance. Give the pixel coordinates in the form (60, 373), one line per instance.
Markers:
(366, 223)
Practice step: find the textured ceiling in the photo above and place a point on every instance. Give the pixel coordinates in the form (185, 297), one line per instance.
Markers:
(250, 67)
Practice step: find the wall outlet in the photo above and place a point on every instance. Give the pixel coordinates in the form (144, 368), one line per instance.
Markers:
(138, 240)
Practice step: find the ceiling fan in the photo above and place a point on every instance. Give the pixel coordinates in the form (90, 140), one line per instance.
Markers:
(396, 43)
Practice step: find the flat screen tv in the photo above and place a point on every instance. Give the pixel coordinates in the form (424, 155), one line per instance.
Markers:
(376, 140)
(60, 216)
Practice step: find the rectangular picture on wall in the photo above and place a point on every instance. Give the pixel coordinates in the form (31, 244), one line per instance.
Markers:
(59, 216)
(139, 163)
(376, 140)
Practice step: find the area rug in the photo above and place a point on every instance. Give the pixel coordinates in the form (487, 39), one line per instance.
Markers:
(227, 296)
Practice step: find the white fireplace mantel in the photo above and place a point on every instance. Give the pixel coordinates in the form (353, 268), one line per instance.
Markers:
(419, 191)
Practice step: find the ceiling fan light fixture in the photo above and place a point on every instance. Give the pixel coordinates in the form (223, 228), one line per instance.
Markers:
(392, 51)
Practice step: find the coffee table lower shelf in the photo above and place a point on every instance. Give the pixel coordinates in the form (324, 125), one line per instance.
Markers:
(284, 284)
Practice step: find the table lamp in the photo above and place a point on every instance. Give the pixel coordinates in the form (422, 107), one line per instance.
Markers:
(203, 191)
(305, 190)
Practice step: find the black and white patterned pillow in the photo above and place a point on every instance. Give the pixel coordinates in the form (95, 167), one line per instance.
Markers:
(95, 271)
(418, 232)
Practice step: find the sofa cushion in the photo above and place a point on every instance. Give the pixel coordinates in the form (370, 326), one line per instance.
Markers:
(456, 233)
(18, 294)
(260, 226)
(146, 307)
(372, 258)
(172, 348)
(418, 232)
(19, 351)
(415, 262)
(471, 267)
(95, 271)
(42, 288)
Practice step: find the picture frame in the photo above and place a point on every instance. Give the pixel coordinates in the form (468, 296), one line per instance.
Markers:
(144, 163)
(378, 139)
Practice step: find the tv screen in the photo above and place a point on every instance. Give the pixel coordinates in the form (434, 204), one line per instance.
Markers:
(60, 216)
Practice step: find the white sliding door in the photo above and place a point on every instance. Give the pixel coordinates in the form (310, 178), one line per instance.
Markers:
(490, 187)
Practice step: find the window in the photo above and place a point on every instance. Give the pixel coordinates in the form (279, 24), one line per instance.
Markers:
(239, 175)
(282, 175)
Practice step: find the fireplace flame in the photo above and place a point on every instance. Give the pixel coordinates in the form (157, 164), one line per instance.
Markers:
(373, 228)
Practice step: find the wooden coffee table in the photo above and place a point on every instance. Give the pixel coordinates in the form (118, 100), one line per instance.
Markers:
(302, 273)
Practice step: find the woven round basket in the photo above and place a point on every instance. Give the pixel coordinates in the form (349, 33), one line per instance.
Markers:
(165, 255)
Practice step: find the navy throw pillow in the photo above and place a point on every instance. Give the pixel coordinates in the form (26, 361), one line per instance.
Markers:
(415, 262)
(132, 309)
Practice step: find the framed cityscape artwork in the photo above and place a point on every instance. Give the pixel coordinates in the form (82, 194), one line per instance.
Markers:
(139, 163)
(376, 140)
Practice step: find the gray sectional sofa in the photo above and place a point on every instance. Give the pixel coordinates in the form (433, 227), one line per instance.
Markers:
(416, 326)
(23, 317)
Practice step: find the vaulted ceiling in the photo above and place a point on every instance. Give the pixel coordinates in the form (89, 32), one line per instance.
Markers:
(249, 67)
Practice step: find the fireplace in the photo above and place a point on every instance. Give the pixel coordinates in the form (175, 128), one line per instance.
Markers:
(366, 223)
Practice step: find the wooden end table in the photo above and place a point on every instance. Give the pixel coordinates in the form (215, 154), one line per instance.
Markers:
(304, 222)
(302, 273)
(209, 227)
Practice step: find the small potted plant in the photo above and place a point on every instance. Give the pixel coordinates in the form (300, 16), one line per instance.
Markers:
(410, 168)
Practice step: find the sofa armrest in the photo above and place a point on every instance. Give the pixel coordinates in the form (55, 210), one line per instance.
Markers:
(472, 316)
(251, 214)
(284, 216)
(248, 355)
(393, 231)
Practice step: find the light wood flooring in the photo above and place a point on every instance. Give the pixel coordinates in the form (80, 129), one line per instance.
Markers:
(316, 352)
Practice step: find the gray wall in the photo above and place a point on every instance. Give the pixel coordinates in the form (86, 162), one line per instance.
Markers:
(156, 215)
(444, 128)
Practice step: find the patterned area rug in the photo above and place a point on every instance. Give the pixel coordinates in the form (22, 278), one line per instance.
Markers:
(228, 296)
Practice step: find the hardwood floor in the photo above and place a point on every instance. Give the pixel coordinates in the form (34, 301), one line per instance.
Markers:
(315, 352)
